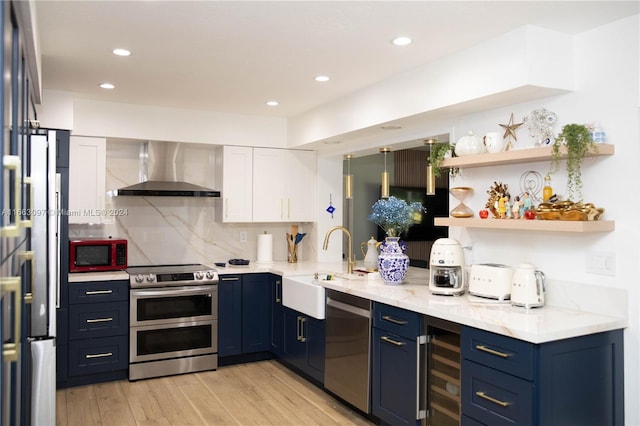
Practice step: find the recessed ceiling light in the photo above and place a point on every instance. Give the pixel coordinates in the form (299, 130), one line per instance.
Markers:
(121, 52)
(107, 86)
(272, 103)
(401, 41)
(322, 78)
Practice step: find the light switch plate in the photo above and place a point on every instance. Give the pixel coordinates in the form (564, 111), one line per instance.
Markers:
(243, 236)
(601, 263)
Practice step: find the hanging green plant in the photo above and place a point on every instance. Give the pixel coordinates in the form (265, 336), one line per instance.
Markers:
(437, 154)
(577, 140)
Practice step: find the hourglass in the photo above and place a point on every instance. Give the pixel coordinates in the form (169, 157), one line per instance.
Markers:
(461, 193)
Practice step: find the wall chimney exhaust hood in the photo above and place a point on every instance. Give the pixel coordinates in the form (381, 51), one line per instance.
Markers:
(162, 170)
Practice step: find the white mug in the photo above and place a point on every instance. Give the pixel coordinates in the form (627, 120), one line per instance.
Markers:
(494, 142)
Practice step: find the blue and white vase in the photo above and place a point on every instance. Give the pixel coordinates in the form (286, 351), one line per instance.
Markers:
(392, 262)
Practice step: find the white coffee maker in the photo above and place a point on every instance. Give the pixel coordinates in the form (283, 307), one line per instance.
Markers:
(446, 268)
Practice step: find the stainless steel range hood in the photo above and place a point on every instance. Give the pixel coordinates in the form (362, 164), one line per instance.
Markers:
(162, 172)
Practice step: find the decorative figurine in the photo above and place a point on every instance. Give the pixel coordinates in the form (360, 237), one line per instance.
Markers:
(515, 209)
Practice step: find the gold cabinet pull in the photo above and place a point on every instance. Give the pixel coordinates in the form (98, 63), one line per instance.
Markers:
(94, 292)
(94, 320)
(278, 295)
(393, 320)
(486, 349)
(103, 355)
(12, 162)
(11, 351)
(390, 340)
(492, 399)
(24, 256)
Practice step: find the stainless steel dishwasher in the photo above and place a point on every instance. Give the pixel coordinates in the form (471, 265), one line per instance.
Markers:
(348, 336)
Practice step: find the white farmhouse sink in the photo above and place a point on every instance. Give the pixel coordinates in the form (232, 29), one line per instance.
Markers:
(303, 295)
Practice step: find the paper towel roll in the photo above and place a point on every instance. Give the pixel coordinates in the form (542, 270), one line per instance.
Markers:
(265, 248)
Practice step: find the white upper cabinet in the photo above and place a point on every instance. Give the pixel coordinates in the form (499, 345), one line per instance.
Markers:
(87, 187)
(283, 185)
(235, 172)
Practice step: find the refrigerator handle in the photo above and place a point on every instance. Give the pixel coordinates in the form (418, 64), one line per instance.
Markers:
(30, 256)
(28, 223)
(11, 351)
(58, 244)
(12, 162)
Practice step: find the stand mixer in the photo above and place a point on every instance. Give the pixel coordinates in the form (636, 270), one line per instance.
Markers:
(446, 268)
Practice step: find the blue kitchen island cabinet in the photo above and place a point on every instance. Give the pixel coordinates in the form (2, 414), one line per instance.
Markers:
(304, 339)
(576, 381)
(243, 314)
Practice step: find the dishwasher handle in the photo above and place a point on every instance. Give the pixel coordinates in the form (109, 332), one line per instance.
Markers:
(348, 308)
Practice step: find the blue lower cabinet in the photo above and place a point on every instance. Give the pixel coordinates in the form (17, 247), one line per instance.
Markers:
(243, 314)
(393, 381)
(276, 345)
(576, 381)
(304, 340)
(91, 356)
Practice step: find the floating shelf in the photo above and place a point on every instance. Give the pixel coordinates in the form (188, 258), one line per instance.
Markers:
(518, 156)
(529, 225)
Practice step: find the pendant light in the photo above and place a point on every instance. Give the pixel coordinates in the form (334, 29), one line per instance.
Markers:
(431, 178)
(348, 179)
(384, 192)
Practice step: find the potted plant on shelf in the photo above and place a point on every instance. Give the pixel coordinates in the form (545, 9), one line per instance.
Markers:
(577, 140)
(395, 217)
(436, 156)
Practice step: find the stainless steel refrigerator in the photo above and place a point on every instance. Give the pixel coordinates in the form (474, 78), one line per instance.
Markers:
(29, 281)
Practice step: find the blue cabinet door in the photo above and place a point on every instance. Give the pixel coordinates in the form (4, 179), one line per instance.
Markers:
(230, 315)
(277, 317)
(314, 335)
(294, 348)
(256, 290)
(393, 381)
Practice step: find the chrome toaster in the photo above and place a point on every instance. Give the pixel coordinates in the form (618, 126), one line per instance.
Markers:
(491, 280)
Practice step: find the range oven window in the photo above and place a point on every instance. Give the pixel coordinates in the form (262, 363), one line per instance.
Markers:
(165, 340)
(158, 308)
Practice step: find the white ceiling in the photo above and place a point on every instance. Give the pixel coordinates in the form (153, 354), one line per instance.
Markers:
(233, 56)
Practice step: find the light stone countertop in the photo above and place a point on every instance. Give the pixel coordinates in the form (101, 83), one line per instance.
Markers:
(536, 325)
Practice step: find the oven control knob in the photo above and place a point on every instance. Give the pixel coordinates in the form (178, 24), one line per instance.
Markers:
(210, 275)
(199, 275)
(139, 278)
(151, 278)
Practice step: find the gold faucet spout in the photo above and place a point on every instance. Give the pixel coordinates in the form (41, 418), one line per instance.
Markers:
(350, 259)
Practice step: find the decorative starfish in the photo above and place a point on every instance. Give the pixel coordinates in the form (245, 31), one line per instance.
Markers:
(510, 131)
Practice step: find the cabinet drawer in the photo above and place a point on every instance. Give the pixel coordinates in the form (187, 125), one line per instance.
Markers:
(496, 398)
(98, 291)
(90, 356)
(503, 353)
(92, 320)
(396, 320)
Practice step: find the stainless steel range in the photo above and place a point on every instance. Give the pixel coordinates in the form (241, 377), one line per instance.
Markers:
(173, 320)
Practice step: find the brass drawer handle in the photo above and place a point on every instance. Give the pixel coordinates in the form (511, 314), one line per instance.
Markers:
(89, 321)
(390, 340)
(104, 355)
(91, 293)
(486, 349)
(393, 320)
(492, 399)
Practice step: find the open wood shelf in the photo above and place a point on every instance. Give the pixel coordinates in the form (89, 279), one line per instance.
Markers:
(542, 153)
(529, 225)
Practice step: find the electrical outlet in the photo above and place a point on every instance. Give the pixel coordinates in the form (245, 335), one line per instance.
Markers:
(601, 263)
(243, 236)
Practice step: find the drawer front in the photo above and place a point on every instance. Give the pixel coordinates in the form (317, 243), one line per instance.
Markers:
(91, 320)
(98, 291)
(496, 398)
(92, 356)
(396, 320)
(503, 353)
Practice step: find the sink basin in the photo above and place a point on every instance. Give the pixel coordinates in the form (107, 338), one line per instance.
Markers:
(303, 295)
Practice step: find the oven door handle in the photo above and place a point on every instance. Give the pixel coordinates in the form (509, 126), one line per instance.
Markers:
(173, 291)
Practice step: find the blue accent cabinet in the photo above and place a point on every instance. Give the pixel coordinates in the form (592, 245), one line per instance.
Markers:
(304, 339)
(277, 317)
(243, 314)
(576, 381)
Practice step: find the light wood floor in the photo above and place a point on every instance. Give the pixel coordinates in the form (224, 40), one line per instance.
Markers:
(258, 393)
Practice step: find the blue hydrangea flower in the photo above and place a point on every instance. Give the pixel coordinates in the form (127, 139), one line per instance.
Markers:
(396, 216)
